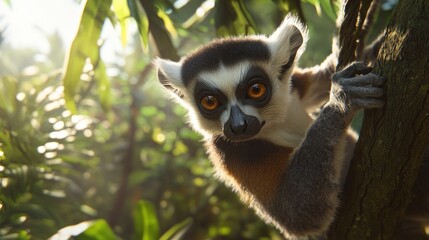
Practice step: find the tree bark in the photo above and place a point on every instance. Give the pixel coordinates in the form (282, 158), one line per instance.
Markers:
(392, 141)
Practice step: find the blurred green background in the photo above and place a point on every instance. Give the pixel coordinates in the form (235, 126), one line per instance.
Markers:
(88, 142)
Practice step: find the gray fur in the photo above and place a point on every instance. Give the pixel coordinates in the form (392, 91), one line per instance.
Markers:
(308, 195)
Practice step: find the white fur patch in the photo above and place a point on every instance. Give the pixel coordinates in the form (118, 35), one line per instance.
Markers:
(289, 128)
(226, 78)
(282, 41)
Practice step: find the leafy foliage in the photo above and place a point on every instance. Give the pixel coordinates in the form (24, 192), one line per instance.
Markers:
(233, 18)
(85, 47)
(145, 221)
(97, 140)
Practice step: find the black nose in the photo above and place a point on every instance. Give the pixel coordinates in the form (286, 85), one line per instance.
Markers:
(238, 127)
(241, 126)
(238, 123)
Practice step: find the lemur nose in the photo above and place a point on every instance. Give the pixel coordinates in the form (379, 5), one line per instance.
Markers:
(239, 127)
(238, 124)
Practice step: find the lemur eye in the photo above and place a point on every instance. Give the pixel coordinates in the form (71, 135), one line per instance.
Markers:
(209, 103)
(256, 90)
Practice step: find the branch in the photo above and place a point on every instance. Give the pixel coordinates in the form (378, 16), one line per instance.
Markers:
(163, 41)
(127, 159)
(350, 29)
(369, 20)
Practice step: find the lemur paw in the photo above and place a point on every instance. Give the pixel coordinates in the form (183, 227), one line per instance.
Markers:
(356, 87)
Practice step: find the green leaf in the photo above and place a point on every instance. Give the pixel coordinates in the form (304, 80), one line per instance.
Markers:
(34, 211)
(8, 91)
(233, 18)
(89, 230)
(329, 8)
(287, 6)
(84, 46)
(98, 230)
(142, 22)
(145, 221)
(120, 8)
(103, 85)
(178, 230)
(316, 4)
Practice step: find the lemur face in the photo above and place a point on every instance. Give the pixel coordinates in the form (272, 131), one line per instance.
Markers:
(236, 87)
(236, 102)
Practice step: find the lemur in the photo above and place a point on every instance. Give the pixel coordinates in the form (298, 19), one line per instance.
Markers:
(253, 106)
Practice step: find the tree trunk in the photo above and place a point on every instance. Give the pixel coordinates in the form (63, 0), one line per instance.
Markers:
(392, 141)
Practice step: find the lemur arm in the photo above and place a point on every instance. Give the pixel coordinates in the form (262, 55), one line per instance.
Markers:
(312, 85)
(307, 197)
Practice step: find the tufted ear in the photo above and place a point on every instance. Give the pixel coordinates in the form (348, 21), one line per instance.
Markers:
(287, 44)
(169, 75)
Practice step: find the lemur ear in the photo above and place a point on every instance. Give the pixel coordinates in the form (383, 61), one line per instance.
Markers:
(169, 75)
(287, 44)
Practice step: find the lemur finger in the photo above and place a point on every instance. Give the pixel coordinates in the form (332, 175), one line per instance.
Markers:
(363, 92)
(367, 103)
(351, 71)
(364, 80)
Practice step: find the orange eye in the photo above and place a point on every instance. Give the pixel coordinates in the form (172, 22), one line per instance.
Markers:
(209, 103)
(256, 90)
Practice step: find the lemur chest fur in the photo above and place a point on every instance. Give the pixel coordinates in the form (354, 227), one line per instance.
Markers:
(256, 166)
